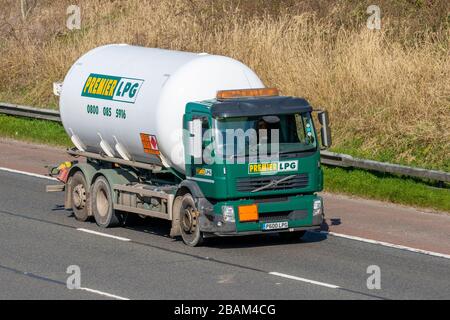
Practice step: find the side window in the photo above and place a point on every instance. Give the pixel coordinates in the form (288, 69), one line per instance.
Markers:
(206, 140)
(205, 127)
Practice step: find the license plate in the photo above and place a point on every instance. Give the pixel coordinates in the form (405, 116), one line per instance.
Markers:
(275, 225)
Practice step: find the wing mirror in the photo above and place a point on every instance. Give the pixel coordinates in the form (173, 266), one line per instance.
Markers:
(325, 130)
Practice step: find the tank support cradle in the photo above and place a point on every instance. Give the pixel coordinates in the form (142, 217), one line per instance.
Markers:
(127, 200)
(91, 155)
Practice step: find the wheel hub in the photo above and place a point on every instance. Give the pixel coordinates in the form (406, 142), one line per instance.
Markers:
(79, 196)
(102, 203)
(189, 220)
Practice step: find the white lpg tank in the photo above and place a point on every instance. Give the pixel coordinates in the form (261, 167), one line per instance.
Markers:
(114, 93)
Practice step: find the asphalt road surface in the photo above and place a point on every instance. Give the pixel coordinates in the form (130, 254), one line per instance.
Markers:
(39, 240)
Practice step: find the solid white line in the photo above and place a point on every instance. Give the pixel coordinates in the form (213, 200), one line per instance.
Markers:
(28, 174)
(387, 244)
(103, 234)
(104, 293)
(323, 284)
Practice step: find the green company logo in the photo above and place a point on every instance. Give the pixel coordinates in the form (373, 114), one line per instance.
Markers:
(111, 88)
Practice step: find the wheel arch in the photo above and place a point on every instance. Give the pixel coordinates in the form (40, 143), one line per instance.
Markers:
(92, 172)
(189, 186)
(186, 186)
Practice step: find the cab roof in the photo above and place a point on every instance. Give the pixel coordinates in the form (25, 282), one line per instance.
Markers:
(258, 106)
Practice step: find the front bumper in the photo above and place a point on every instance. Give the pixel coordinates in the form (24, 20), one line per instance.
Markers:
(297, 210)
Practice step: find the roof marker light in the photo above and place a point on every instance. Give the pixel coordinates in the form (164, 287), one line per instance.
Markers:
(241, 93)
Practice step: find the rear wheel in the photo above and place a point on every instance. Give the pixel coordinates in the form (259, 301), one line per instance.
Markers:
(292, 236)
(189, 222)
(102, 204)
(79, 196)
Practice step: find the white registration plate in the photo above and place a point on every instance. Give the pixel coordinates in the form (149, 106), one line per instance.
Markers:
(275, 225)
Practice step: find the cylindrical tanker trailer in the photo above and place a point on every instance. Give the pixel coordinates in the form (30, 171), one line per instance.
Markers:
(149, 89)
(192, 138)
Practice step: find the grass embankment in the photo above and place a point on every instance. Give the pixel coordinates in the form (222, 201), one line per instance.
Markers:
(387, 187)
(387, 90)
(31, 130)
(347, 181)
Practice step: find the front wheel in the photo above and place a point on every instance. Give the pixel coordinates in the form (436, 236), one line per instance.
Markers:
(189, 222)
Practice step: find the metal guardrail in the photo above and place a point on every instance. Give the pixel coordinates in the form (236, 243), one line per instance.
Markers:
(346, 161)
(29, 112)
(327, 157)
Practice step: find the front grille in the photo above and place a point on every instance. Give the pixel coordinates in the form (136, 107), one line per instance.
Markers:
(269, 200)
(283, 216)
(248, 184)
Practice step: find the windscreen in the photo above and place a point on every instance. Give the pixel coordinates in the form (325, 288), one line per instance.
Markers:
(270, 134)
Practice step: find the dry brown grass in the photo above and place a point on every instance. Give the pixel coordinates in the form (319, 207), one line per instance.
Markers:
(388, 91)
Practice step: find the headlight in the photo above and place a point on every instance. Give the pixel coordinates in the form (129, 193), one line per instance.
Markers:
(317, 204)
(228, 213)
(317, 207)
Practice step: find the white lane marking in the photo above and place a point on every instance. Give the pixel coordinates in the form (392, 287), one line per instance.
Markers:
(103, 234)
(323, 284)
(103, 293)
(387, 244)
(28, 174)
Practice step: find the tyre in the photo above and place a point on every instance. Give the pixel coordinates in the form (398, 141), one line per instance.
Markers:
(292, 236)
(79, 196)
(189, 222)
(102, 204)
